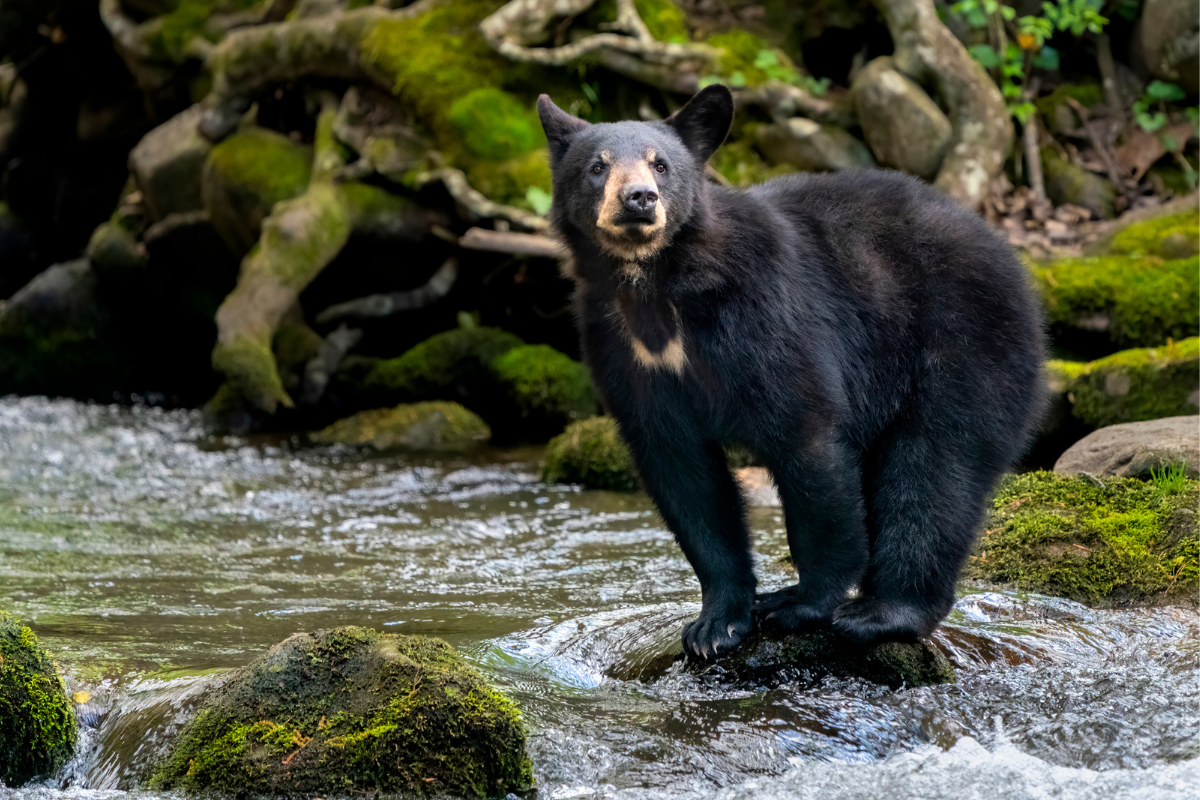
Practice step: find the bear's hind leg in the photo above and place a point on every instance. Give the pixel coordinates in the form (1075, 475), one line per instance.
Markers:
(924, 490)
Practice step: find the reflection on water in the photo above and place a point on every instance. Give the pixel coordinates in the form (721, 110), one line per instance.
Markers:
(148, 553)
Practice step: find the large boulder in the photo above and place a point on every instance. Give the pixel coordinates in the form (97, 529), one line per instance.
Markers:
(352, 711)
(1102, 542)
(1136, 449)
(166, 164)
(811, 147)
(37, 720)
(1069, 184)
(905, 129)
(432, 426)
(1119, 301)
(1132, 385)
(591, 453)
(544, 389)
(1170, 41)
(247, 174)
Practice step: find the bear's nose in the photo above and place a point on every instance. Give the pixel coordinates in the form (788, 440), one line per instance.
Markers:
(639, 197)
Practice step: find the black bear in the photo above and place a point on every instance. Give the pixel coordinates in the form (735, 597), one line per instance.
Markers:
(873, 343)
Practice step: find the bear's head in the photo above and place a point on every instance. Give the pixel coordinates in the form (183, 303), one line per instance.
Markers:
(629, 187)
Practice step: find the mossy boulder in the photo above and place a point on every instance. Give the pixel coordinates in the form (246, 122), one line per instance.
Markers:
(351, 711)
(1126, 301)
(1069, 183)
(1058, 114)
(245, 176)
(1132, 385)
(591, 453)
(807, 658)
(1116, 541)
(37, 720)
(433, 426)
(1172, 236)
(545, 390)
(524, 392)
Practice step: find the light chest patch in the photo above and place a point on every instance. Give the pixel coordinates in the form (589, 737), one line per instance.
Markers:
(654, 332)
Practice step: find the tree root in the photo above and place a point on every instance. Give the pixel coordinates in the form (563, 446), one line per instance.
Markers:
(384, 305)
(299, 238)
(633, 52)
(927, 52)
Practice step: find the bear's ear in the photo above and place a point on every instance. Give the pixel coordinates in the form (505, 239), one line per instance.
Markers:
(704, 122)
(560, 127)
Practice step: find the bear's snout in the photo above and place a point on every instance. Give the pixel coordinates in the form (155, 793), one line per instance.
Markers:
(639, 198)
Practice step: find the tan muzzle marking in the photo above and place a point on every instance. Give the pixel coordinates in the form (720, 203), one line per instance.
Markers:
(614, 238)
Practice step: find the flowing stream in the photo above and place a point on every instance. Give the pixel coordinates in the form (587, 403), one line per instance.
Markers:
(149, 554)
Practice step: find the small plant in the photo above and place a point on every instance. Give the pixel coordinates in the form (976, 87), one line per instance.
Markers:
(1170, 479)
(539, 200)
(1150, 112)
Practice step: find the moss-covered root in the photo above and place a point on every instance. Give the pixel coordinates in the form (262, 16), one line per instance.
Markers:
(591, 453)
(37, 721)
(1133, 385)
(352, 711)
(299, 238)
(1104, 543)
(433, 426)
(809, 657)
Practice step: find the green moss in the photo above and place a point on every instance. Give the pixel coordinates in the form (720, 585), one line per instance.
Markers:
(349, 711)
(1067, 182)
(495, 126)
(546, 390)
(742, 165)
(1133, 385)
(249, 368)
(37, 721)
(114, 250)
(266, 163)
(419, 426)
(591, 453)
(171, 33)
(748, 60)
(1173, 236)
(295, 343)
(665, 20)
(1122, 541)
(1137, 302)
(509, 181)
(450, 365)
(1058, 114)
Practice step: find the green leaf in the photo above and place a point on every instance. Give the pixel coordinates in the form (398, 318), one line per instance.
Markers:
(1047, 58)
(737, 79)
(1165, 91)
(977, 19)
(1007, 12)
(985, 55)
(766, 59)
(539, 199)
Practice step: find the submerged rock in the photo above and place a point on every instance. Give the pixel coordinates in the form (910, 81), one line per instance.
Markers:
(351, 711)
(591, 453)
(37, 720)
(905, 129)
(808, 657)
(1102, 542)
(1136, 449)
(437, 426)
(1132, 385)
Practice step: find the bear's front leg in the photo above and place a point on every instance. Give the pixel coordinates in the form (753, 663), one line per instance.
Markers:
(689, 480)
(821, 488)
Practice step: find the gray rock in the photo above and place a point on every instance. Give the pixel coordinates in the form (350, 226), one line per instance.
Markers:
(811, 147)
(166, 164)
(1132, 449)
(904, 127)
(1170, 41)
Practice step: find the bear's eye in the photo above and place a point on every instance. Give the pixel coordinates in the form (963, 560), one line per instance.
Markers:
(660, 168)
(597, 169)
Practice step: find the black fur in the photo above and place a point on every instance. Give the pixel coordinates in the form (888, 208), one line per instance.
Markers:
(875, 344)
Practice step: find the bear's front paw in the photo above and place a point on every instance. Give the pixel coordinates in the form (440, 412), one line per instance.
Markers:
(790, 610)
(871, 620)
(717, 631)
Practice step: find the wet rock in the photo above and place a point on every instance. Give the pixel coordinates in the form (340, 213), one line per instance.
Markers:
(545, 391)
(432, 426)
(1136, 449)
(1104, 302)
(1102, 542)
(1132, 385)
(37, 720)
(905, 129)
(811, 147)
(1067, 183)
(166, 164)
(52, 335)
(807, 658)
(591, 453)
(1170, 41)
(245, 176)
(350, 711)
